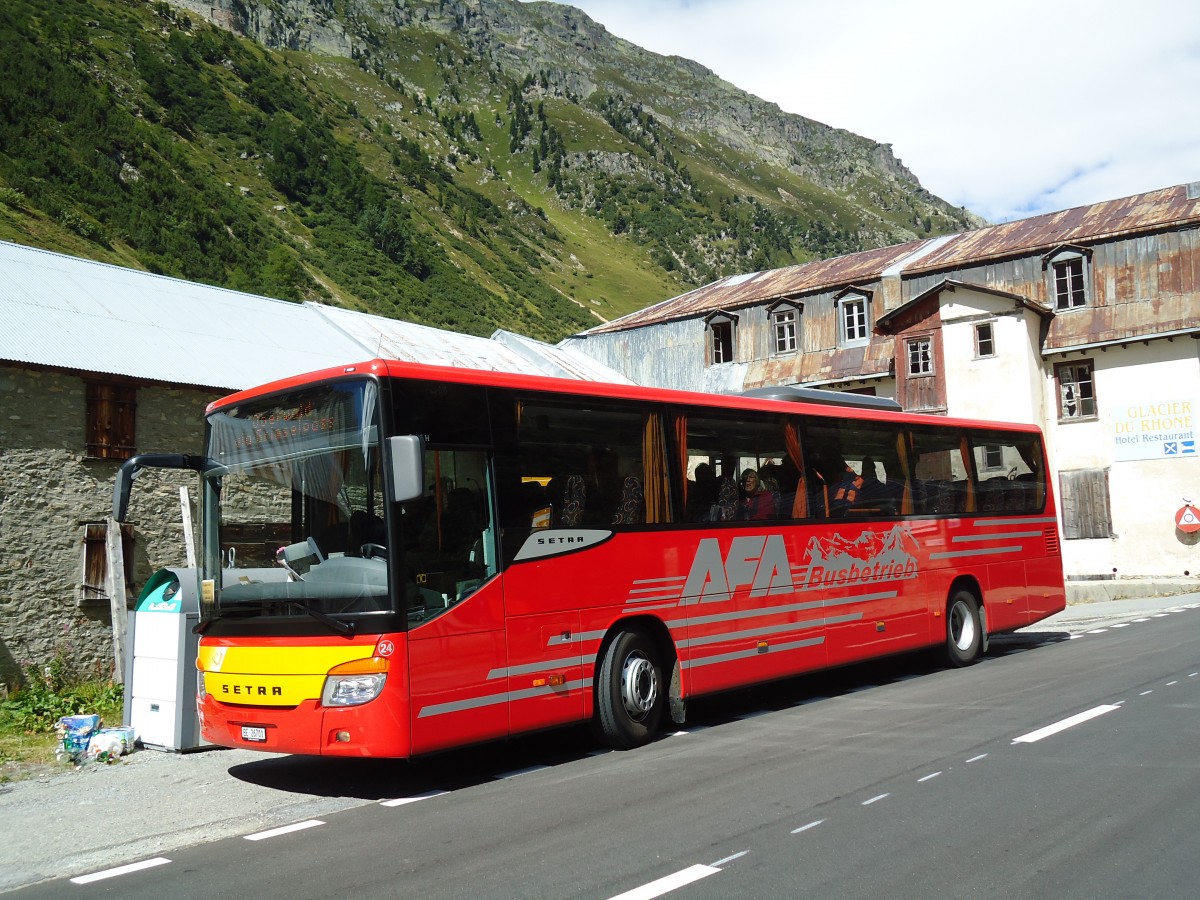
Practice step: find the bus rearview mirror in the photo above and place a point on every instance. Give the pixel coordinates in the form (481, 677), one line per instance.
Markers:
(407, 458)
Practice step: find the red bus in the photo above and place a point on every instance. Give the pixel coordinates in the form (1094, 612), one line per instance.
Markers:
(399, 559)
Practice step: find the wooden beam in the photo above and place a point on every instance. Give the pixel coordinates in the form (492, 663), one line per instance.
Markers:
(115, 587)
(185, 507)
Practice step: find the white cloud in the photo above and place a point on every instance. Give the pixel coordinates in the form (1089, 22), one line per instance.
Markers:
(1008, 109)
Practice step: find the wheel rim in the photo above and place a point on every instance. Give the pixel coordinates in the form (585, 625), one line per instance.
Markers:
(962, 626)
(639, 686)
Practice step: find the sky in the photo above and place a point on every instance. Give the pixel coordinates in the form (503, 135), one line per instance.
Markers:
(1011, 109)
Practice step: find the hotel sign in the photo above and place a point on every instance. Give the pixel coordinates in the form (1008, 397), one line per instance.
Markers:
(1156, 429)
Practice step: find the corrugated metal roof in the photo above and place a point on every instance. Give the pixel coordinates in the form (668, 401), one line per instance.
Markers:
(74, 313)
(78, 314)
(1171, 207)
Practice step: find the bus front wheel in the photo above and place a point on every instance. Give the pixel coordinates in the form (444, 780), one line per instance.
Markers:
(964, 629)
(630, 692)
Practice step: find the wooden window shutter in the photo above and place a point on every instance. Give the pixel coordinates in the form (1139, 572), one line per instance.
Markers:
(1085, 504)
(111, 418)
(95, 560)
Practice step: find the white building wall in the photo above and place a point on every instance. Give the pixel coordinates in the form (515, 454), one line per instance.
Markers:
(1136, 386)
(1006, 387)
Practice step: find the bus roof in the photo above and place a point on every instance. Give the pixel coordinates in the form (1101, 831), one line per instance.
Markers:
(784, 399)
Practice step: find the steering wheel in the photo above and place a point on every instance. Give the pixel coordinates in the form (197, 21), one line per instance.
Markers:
(370, 551)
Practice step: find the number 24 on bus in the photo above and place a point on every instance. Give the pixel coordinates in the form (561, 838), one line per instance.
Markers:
(397, 559)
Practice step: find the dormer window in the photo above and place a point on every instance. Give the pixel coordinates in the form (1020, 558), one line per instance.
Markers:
(784, 317)
(854, 320)
(1068, 274)
(721, 327)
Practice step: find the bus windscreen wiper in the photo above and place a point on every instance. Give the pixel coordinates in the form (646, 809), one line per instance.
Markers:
(346, 628)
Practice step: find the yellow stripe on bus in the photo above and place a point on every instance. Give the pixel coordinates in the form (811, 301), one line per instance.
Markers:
(263, 690)
(303, 660)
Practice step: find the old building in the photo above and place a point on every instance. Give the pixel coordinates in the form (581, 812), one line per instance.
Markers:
(98, 363)
(1084, 322)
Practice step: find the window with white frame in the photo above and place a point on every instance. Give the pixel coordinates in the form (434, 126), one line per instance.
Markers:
(985, 340)
(1076, 390)
(1067, 277)
(853, 320)
(720, 339)
(920, 356)
(785, 328)
(1068, 284)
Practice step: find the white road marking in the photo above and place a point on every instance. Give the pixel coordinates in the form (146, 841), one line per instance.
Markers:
(875, 799)
(808, 826)
(121, 870)
(286, 829)
(1121, 625)
(729, 859)
(667, 884)
(977, 758)
(1064, 724)
(1161, 615)
(1144, 693)
(1141, 620)
(401, 801)
(1098, 631)
(1169, 683)
(929, 777)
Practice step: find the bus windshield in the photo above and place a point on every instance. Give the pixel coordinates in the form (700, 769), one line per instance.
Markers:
(299, 523)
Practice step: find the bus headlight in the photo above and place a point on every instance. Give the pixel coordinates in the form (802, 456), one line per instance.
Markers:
(355, 683)
(201, 693)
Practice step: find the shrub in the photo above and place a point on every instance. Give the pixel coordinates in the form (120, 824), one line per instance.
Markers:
(56, 691)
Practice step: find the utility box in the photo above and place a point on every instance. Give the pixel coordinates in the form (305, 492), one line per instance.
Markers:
(160, 696)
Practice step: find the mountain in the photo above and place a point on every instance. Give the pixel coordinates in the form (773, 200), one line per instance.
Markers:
(467, 164)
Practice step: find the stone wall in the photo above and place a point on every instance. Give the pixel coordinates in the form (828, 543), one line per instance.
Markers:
(49, 491)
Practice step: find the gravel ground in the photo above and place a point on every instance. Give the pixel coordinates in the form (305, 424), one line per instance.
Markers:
(72, 821)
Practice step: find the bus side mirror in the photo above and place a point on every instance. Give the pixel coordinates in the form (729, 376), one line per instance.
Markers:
(132, 468)
(407, 454)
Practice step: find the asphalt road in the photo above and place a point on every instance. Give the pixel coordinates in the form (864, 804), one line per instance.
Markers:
(897, 779)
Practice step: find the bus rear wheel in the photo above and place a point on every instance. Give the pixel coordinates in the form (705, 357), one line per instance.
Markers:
(964, 629)
(630, 691)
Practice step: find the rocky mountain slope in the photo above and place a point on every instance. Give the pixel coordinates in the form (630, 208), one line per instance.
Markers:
(468, 164)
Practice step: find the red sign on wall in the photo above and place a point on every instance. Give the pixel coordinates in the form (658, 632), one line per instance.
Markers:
(1188, 519)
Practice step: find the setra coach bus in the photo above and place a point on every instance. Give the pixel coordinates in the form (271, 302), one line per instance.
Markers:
(398, 559)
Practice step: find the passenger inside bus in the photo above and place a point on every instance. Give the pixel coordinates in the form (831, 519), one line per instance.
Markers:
(702, 494)
(754, 502)
(602, 488)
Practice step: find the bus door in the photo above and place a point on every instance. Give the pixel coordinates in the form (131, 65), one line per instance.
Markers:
(544, 674)
(455, 605)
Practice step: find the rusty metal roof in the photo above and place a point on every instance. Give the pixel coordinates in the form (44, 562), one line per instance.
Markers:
(735, 291)
(1156, 210)
(1169, 207)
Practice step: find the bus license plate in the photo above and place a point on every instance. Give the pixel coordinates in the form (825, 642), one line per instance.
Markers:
(253, 733)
